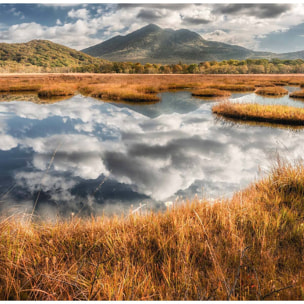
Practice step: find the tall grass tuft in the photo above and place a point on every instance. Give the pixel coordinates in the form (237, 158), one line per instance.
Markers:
(210, 93)
(56, 90)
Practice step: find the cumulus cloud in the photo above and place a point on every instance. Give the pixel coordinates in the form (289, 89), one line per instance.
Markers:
(151, 15)
(81, 13)
(195, 20)
(7, 142)
(75, 34)
(257, 10)
(86, 25)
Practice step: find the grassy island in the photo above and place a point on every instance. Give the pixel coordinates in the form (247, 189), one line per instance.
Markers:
(210, 93)
(271, 91)
(277, 114)
(297, 94)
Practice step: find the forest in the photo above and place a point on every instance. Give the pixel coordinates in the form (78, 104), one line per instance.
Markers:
(248, 66)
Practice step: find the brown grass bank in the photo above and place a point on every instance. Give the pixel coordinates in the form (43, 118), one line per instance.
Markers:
(297, 94)
(56, 90)
(247, 248)
(210, 93)
(277, 114)
(271, 91)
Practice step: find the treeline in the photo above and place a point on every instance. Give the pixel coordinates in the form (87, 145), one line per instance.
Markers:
(248, 66)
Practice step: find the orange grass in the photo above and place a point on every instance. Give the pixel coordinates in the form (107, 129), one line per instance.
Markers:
(140, 87)
(19, 87)
(233, 87)
(278, 114)
(249, 247)
(210, 93)
(271, 91)
(297, 94)
(117, 92)
(56, 90)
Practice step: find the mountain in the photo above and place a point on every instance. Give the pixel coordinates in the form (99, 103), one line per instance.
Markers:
(291, 56)
(44, 53)
(156, 45)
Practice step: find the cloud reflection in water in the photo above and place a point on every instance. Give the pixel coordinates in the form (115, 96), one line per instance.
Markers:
(148, 153)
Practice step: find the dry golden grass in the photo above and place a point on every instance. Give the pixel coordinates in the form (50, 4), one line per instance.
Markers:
(234, 87)
(277, 114)
(264, 84)
(56, 90)
(295, 83)
(297, 94)
(19, 87)
(281, 82)
(117, 92)
(271, 91)
(210, 93)
(247, 248)
(136, 87)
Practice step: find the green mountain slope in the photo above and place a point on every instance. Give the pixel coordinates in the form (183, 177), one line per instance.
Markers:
(156, 45)
(291, 56)
(44, 53)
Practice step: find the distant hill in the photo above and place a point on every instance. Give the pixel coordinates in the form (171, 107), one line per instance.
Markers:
(291, 56)
(156, 45)
(44, 53)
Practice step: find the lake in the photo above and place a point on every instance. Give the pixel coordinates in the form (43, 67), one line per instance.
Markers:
(85, 156)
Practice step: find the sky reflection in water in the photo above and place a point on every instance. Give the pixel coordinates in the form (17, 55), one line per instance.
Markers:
(139, 154)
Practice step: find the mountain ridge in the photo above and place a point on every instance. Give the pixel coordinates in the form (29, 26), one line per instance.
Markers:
(154, 44)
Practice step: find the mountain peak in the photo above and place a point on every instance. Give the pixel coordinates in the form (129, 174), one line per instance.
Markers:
(153, 44)
(151, 26)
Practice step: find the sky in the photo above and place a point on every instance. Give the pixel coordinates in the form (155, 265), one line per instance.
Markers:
(277, 27)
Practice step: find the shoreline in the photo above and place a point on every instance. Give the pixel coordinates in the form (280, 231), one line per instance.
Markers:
(244, 248)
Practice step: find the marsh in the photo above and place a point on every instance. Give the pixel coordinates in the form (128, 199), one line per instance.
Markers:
(108, 157)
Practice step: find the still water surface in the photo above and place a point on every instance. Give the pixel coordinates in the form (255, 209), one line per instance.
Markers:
(109, 156)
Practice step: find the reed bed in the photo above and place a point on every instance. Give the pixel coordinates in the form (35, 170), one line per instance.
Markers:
(297, 94)
(277, 114)
(19, 87)
(247, 248)
(115, 92)
(141, 87)
(210, 93)
(56, 90)
(271, 91)
(264, 84)
(234, 87)
(282, 82)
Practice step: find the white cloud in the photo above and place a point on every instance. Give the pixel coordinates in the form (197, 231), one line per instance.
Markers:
(7, 142)
(76, 35)
(93, 26)
(81, 13)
